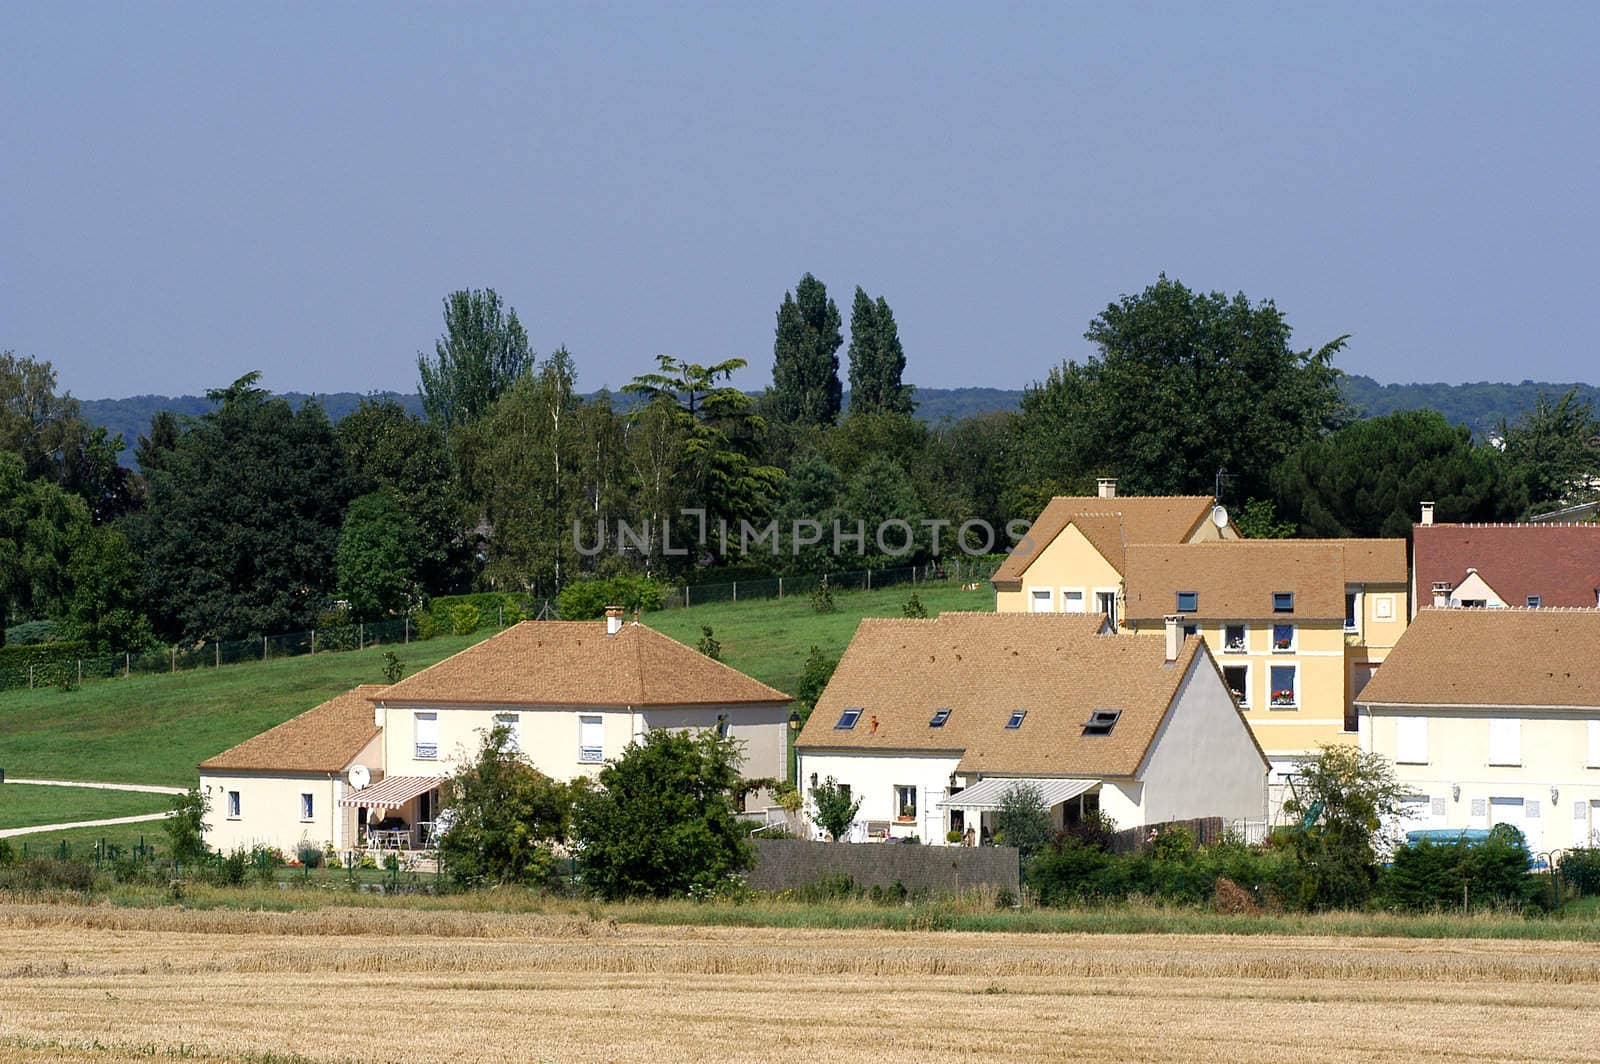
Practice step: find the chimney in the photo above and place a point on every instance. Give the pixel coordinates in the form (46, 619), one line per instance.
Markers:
(1174, 635)
(1108, 487)
(613, 620)
(1427, 513)
(1441, 593)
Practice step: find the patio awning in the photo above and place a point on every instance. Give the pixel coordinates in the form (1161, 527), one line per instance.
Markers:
(986, 795)
(392, 792)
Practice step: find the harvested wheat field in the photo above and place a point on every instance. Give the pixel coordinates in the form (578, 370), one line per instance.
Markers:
(108, 984)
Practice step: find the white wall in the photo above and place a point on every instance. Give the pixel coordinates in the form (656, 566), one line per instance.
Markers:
(873, 778)
(1203, 761)
(269, 811)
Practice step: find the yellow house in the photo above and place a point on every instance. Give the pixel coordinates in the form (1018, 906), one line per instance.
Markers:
(1493, 717)
(1071, 559)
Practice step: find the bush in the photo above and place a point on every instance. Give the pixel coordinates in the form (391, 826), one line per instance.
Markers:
(230, 871)
(31, 633)
(1174, 844)
(1580, 870)
(39, 876)
(708, 645)
(464, 619)
(1429, 875)
(913, 607)
(393, 667)
(309, 854)
(502, 817)
(51, 663)
(1023, 820)
(426, 625)
(186, 827)
(835, 809)
(1072, 871)
(822, 598)
(585, 600)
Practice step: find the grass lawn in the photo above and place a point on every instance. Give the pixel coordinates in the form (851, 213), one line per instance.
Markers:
(22, 805)
(155, 729)
(770, 638)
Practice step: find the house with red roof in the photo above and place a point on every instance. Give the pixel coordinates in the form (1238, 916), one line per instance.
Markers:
(1531, 566)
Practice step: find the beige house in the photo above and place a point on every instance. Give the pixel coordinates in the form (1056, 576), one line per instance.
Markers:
(284, 786)
(1493, 716)
(931, 722)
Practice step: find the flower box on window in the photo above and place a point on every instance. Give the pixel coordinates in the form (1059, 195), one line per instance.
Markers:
(1283, 698)
(909, 813)
(1282, 643)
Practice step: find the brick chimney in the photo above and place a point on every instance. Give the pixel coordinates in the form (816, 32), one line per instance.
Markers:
(1108, 487)
(1427, 513)
(613, 620)
(1174, 622)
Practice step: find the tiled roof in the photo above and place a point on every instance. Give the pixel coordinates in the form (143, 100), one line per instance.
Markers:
(1109, 524)
(324, 739)
(1559, 563)
(1236, 579)
(575, 663)
(983, 667)
(1372, 561)
(1493, 657)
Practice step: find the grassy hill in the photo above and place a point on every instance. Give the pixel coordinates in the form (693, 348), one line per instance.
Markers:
(155, 729)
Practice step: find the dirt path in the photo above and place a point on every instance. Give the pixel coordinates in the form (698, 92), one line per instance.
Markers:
(7, 833)
(146, 788)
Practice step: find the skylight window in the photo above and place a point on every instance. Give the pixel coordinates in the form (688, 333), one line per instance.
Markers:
(1016, 719)
(1283, 602)
(847, 720)
(1101, 721)
(1188, 601)
(939, 717)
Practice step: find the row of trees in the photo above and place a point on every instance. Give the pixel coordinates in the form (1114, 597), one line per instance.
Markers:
(258, 516)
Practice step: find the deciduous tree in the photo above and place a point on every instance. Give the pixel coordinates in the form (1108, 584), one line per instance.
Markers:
(502, 817)
(484, 350)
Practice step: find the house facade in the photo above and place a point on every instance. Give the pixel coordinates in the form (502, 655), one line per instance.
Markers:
(1534, 565)
(931, 722)
(1492, 716)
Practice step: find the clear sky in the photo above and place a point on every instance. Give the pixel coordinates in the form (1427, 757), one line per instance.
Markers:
(191, 192)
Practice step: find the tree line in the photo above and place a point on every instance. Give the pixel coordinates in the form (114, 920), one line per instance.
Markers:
(261, 515)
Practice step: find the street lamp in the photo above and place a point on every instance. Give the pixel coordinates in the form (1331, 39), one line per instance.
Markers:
(794, 730)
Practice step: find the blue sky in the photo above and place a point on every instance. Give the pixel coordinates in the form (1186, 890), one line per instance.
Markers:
(191, 192)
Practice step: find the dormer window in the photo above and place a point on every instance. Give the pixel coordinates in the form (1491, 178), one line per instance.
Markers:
(1188, 601)
(1101, 721)
(1016, 719)
(1533, 602)
(939, 717)
(847, 720)
(1283, 602)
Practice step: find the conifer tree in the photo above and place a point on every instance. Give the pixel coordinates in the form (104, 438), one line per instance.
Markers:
(877, 361)
(805, 366)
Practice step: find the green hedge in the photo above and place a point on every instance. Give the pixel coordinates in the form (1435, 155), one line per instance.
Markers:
(51, 662)
(584, 600)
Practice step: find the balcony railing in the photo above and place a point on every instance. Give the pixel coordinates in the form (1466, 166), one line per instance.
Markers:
(427, 751)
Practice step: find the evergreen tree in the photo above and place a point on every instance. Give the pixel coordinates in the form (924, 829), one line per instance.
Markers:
(805, 364)
(1553, 451)
(877, 361)
(482, 352)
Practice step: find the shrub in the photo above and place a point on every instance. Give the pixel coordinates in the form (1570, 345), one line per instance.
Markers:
(1094, 829)
(186, 827)
(7, 854)
(426, 625)
(1174, 844)
(309, 854)
(822, 598)
(1430, 875)
(393, 667)
(835, 809)
(1023, 820)
(49, 662)
(230, 871)
(1580, 870)
(708, 645)
(31, 633)
(38, 876)
(913, 607)
(464, 619)
(502, 817)
(585, 600)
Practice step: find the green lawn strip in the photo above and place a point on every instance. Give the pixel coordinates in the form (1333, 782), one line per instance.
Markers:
(82, 843)
(770, 638)
(23, 805)
(155, 729)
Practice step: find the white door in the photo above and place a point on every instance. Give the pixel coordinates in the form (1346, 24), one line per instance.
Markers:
(1587, 832)
(1507, 811)
(1039, 602)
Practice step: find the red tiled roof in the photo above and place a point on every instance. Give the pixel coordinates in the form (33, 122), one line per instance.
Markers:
(1559, 563)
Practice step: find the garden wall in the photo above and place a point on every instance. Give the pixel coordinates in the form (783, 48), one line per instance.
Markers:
(789, 864)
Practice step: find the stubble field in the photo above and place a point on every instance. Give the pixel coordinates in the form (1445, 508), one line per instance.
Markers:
(108, 984)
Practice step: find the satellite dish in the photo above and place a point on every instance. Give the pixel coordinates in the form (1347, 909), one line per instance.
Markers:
(359, 776)
(1219, 516)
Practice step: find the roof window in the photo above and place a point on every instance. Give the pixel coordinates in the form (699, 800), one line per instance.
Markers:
(1283, 602)
(1188, 601)
(1016, 719)
(847, 720)
(939, 717)
(1101, 721)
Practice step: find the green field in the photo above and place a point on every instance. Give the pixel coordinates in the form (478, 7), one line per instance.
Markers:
(155, 729)
(23, 805)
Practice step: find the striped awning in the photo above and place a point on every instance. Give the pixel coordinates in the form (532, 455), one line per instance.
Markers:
(986, 795)
(392, 792)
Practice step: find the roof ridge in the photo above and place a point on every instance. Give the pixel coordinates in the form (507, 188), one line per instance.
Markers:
(1490, 610)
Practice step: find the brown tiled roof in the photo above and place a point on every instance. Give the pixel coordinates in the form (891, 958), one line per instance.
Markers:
(1493, 657)
(1559, 563)
(1236, 579)
(575, 663)
(982, 667)
(324, 739)
(1110, 524)
(1372, 561)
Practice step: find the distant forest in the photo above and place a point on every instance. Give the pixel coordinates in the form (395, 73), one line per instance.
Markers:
(1480, 406)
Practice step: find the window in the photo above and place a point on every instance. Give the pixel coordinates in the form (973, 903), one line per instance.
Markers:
(1349, 611)
(1284, 681)
(427, 747)
(1234, 639)
(1101, 721)
(1505, 741)
(722, 725)
(513, 723)
(1533, 602)
(847, 720)
(306, 806)
(1283, 638)
(1016, 719)
(1072, 602)
(1191, 629)
(939, 717)
(905, 802)
(1188, 601)
(1283, 602)
(591, 740)
(1411, 740)
(233, 805)
(1237, 678)
(1106, 602)
(1475, 604)
(1040, 601)
(1383, 607)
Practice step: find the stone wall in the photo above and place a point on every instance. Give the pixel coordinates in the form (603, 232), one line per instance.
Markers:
(788, 864)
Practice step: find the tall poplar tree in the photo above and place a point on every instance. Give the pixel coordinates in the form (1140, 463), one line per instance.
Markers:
(483, 351)
(877, 361)
(805, 365)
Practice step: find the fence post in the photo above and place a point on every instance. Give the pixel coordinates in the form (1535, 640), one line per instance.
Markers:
(408, 629)
(736, 591)
(80, 672)
(780, 587)
(313, 641)
(686, 595)
(361, 635)
(263, 648)
(217, 646)
(502, 610)
(869, 578)
(127, 665)
(174, 659)
(30, 677)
